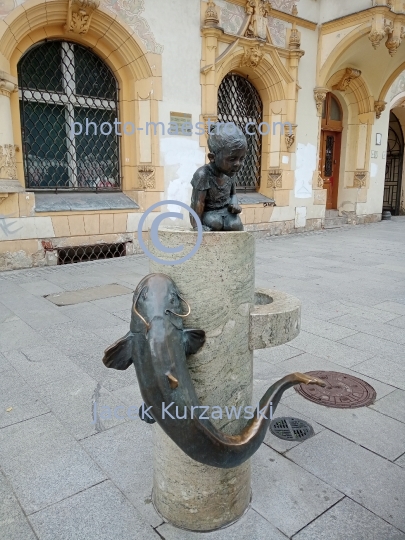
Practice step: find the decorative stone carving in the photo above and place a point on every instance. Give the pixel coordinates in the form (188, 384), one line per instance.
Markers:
(211, 15)
(347, 78)
(275, 179)
(8, 166)
(320, 181)
(380, 28)
(360, 178)
(295, 39)
(8, 84)
(289, 140)
(146, 177)
(320, 96)
(258, 11)
(79, 15)
(294, 10)
(379, 107)
(394, 40)
(252, 57)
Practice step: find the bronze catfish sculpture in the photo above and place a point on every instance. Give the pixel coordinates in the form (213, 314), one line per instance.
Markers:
(157, 344)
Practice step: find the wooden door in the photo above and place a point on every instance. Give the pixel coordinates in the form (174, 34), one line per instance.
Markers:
(329, 165)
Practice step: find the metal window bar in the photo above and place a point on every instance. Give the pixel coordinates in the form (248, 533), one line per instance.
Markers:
(60, 83)
(239, 102)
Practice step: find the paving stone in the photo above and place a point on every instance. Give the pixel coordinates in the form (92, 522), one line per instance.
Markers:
(275, 355)
(41, 287)
(75, 339)
(349, 520)
(13, 524)
(362, 426)
(6, 315)
(325, 329)
(279, 445)
(285, 494)
(5, 364)
(392, 405)
(44, 463)
(113, 333)
(368, 479)
(82, 405)
(380, 368)
(42, 365)
(118, 303)
(398, 322)
(392, 307)
(17, 334)
(16, 395)
(375, 346)
(99, 513)
(401, 461)
(35, 311)
(110, 379)
(90, 315)
(338, 352)
(344, 307)
(125, 453)
(88, 294)
(124, 314)
(373, 328)
(250, 526)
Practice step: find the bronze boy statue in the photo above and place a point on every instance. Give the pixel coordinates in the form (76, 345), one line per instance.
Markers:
(214, 194)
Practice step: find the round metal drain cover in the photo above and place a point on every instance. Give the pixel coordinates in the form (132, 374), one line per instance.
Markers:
(342, 391)
(291, 429)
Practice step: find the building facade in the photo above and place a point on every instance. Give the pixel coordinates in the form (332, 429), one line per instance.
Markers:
(104, 108)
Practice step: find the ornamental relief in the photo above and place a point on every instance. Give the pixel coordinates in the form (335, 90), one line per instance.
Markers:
(275, 179)
(233, 16)
(8, 166)
(146, 177)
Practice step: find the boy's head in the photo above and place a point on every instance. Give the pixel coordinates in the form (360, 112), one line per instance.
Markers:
(227, 147)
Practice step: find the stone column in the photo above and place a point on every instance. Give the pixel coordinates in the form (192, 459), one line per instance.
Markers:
(218, 283)
(8, 169)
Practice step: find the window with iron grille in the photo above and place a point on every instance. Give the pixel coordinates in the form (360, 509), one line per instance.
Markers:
(239, 102)
(61, 83)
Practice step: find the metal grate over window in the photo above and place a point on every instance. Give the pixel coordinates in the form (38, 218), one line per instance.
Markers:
(71, 255)
(61, 83)
(240, 103)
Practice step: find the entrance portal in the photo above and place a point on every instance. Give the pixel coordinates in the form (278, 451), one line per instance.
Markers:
(329, 158)
(393, 168)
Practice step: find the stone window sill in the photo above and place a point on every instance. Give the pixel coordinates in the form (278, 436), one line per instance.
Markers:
(74, 202)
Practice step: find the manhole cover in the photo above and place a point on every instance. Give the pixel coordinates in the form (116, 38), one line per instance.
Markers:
(342, 391)
(291, 429)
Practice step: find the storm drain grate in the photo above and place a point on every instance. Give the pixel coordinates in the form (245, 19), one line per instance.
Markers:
(291, 429)
(71, 255)
(342, 390)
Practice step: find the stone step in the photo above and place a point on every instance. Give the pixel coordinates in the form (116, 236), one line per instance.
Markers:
(334, 222)
(331, 213)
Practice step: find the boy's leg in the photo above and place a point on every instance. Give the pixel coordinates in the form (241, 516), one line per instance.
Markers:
(232, 222)
(213, 220)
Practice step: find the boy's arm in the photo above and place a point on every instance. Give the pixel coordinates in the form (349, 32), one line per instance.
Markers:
(197, 204)
(233, 206)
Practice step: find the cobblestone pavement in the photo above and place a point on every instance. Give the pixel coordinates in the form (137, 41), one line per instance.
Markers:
(62, 477)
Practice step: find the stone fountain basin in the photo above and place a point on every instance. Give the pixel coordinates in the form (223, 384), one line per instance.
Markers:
(275, 319)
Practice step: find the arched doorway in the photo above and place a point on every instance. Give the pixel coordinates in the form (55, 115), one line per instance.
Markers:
(331, 140)
(393, 167)
(239, 102)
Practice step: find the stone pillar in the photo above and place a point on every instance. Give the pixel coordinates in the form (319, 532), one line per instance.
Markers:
(8, 169)
(218, 283)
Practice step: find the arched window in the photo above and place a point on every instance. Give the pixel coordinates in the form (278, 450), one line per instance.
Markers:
(239, 102)
(68, 108)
